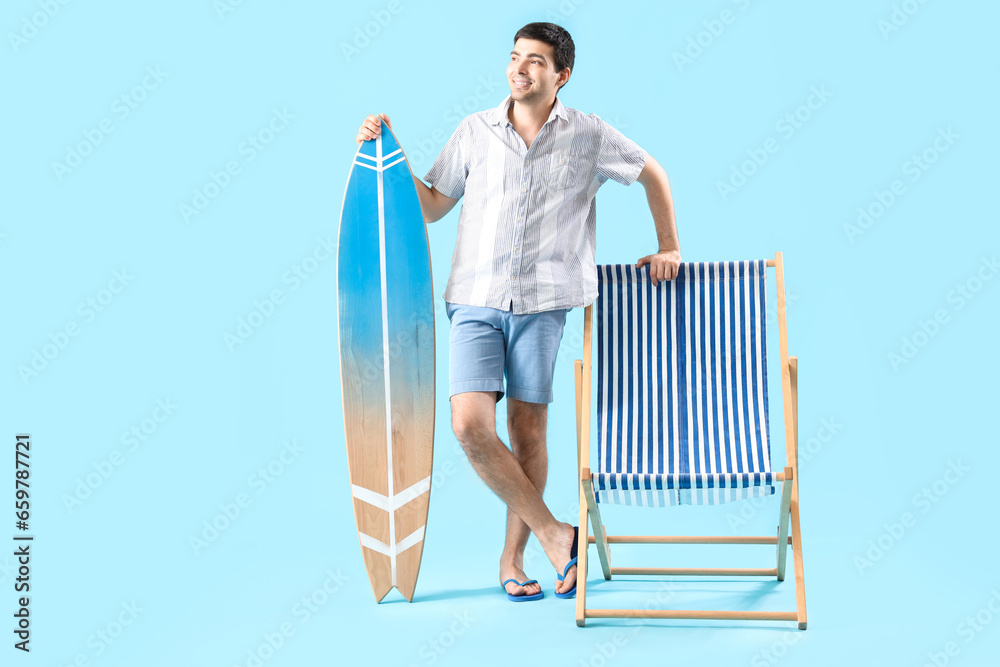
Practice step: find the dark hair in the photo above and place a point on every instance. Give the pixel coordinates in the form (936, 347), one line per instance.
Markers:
(556, 37)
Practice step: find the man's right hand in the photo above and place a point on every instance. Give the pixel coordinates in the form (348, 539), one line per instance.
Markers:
(433, 204)
(372, 127)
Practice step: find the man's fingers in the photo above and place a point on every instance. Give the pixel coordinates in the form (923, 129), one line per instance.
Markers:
(370, 129)
(648, 259)
(659, 268)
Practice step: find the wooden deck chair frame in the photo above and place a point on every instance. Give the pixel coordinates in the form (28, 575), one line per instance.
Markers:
(788, 513)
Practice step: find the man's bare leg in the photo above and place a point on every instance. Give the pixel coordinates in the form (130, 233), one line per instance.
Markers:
(473, 417)
(526, 423)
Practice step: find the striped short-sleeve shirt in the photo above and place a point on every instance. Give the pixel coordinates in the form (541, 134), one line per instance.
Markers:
(527, 228)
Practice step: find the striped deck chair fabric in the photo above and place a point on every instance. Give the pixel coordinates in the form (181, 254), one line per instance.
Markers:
(682, 385)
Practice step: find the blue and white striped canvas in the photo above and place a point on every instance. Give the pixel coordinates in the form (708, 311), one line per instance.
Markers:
(682, 385)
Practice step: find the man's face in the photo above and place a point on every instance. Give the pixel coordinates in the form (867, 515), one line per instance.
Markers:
(532, 72)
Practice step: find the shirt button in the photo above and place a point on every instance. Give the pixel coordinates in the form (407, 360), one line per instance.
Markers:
(512, 278)
(520, 219)
(516, 248)
(526, 162)
(524, 189)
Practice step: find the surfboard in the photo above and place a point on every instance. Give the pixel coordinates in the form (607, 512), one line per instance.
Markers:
(385, 318)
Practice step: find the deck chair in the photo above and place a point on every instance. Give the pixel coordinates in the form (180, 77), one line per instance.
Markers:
(682, 416)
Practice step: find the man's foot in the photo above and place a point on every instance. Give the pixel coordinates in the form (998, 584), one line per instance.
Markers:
(570, 565)
(514, 572)
(560, 557)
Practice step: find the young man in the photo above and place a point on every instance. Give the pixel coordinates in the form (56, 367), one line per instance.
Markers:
(528, 170)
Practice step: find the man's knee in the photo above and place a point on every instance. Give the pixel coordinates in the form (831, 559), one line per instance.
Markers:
(526, 426)
(473, 427)
(469, 430)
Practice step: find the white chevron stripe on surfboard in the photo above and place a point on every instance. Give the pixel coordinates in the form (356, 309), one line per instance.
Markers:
(393, 164)
(380, 164)
(382, 502)
(395, 549)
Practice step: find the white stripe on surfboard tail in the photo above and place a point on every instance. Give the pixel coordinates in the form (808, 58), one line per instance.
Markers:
(394, 549)
(384, 503)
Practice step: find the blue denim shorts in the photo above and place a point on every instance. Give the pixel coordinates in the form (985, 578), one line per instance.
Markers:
(487, 344)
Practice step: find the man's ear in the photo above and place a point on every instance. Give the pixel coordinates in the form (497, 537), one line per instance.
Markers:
(568, 72)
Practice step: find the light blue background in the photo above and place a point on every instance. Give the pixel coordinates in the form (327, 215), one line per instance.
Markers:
(896, 427)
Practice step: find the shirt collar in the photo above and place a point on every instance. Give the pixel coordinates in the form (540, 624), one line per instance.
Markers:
(500, 112)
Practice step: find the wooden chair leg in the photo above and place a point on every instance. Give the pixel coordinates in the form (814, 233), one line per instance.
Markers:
(607, 551)
(783, 515)
(583, 545)
(600, 538)
(800, 583)
(578, 378)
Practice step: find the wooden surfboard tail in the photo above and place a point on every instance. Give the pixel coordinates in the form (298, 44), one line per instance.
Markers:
(379, 556)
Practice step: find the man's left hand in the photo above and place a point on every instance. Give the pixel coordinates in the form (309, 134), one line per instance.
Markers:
(662, 266)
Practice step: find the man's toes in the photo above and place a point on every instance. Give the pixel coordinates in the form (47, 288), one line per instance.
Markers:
(568, 582)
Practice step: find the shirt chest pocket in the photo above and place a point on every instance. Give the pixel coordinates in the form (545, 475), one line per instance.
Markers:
(562, 170)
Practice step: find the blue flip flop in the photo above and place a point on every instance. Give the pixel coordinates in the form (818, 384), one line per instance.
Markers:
(522, 598)
(572, 554)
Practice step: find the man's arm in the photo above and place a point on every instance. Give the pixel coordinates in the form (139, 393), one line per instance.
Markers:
(665, 263)
(433, 204)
